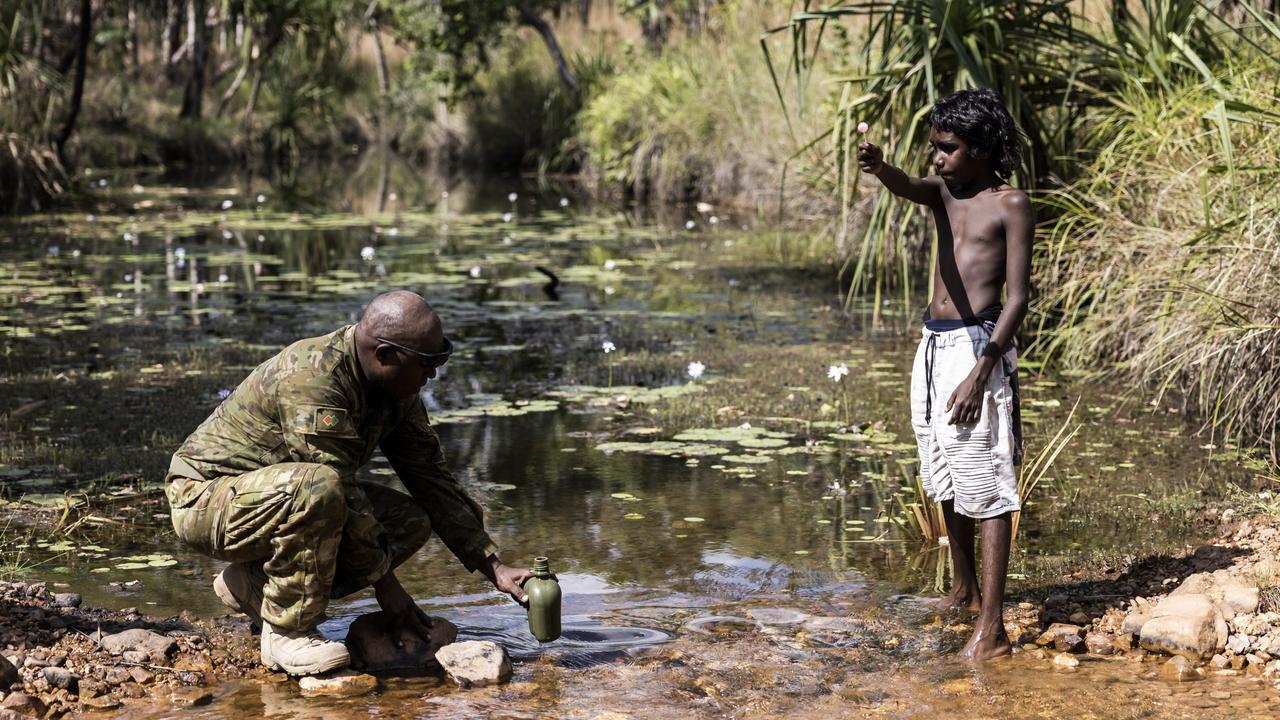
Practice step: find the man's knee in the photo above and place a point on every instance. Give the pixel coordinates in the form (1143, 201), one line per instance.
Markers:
(319, 492)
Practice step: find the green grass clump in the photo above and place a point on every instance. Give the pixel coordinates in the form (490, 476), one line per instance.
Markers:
(1165, 262)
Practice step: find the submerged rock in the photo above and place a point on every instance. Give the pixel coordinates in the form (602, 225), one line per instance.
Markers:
(191, 696)
(1185, 624)
(475, 663)
(378, 644)
(67, 600)
(1180, 669)
(343, 683)
(1065, 661)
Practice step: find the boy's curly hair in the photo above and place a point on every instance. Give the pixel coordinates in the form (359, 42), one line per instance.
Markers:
(980, 119)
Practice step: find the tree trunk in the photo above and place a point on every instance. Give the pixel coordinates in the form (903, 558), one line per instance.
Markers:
(132, 38)
(384, 77)
(584, 12)
(193, 98)
(246, 121)
(171, 37)
(549, 38)
(77, 82)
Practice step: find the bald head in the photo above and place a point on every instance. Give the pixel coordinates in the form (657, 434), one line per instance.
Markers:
(401, 316)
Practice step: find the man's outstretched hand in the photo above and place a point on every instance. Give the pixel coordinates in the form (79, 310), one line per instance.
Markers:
(508, 579)
(397, 602)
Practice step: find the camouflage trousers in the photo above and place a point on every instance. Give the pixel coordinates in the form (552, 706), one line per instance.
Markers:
(301, 520)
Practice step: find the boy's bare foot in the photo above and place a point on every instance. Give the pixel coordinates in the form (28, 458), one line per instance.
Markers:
(956, 600)
(985, 645)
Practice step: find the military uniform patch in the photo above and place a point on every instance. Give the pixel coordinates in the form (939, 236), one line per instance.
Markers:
(331, 421)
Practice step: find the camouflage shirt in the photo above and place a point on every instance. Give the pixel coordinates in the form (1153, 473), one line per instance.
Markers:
(311, 404)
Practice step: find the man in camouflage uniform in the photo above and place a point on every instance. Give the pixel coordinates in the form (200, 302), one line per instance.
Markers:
(267, 483)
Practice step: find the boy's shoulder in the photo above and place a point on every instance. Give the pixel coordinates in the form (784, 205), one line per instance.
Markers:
(1012, 200)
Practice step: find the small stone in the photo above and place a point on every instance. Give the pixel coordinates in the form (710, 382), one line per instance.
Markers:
(191, 696)
(1136, 618)
(1220, 695)
(140, 675)
(1063, 637)
(1099, 643)
(1239, 644)
(475, 663)
(1219, 662)
(67, 600)
(101, 702)
(1180, 669)
(343, 683)
(1079, 618)
(1065, 662)
(24, 704)
(60, 678)
(136, 656)
(117, 676)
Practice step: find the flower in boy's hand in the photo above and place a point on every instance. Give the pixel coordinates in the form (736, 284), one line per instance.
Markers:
(863, 127)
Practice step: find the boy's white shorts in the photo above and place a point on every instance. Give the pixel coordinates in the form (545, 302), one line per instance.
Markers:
(970, 464)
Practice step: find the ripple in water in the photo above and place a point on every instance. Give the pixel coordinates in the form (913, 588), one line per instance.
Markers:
(579, 644)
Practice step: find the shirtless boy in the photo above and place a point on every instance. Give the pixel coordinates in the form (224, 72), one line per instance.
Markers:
(963, 384)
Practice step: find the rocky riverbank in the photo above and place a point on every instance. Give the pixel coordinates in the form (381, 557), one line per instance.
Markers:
(60, 657)
(1212, 611)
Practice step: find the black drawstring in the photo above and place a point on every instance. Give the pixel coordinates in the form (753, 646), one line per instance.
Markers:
(930, 350)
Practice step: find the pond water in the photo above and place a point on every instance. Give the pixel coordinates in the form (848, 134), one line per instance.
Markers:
(738, 543)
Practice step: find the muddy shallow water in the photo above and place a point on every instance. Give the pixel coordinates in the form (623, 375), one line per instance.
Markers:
(122, 323)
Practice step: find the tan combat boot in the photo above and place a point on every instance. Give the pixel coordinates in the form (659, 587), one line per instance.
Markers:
(239, 587)
(301, 652)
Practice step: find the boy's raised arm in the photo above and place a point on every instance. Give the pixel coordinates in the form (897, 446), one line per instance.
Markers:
(918, 190)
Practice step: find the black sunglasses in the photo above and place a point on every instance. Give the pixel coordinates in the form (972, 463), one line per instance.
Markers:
(435, 360)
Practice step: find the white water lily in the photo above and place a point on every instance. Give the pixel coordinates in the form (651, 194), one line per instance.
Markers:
(226, 204)
(392, 196)
(609, 264)
(444, 194)
(696, 369)
(474, 271)
(226, 235)
(223, 278)
(703, 207)
(837, 372)
(261, 198)
(835, 487)
(367, 253)
(393, 232)
(689, 225)
(129, 237)
(512, 197)
(180, 252)
(564, 202)
(714, 219)
(506, 217)
(609, 290)
(608, 347)
(137, 188)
